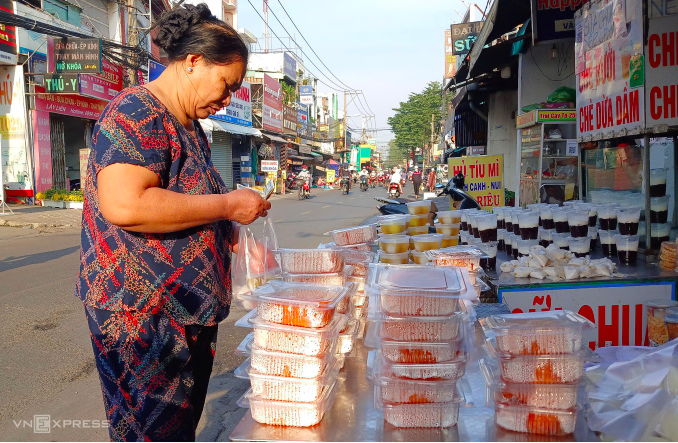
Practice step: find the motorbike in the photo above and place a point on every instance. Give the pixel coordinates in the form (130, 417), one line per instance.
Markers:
(363, 184)
(394, 190)
(453, 188)
(304, 189)
(291, 183)
(373, 182)
(344, 185)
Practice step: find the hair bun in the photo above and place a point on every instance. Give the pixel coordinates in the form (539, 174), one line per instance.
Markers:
(173, 24)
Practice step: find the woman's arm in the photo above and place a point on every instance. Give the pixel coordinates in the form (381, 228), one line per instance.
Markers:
(129, 197)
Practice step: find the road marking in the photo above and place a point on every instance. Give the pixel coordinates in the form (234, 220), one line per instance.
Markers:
(351, 198)
(305, 213)
(281, 220)
(326, 206)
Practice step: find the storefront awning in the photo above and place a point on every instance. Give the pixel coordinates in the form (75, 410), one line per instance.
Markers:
(492, 57)
(210, 124)
(315, 154)
(300, 157)
(275, 138)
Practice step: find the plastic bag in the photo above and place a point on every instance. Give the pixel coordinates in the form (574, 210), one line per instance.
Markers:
(563, 94)
(255, 263)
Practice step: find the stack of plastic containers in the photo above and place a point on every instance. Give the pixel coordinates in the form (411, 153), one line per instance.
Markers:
(537, 367)
(293, 366)
(418, 319)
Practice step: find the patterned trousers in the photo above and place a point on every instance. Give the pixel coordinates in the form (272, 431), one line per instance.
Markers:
(154, 373)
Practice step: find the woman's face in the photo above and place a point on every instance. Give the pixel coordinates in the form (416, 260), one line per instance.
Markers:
(210, 86)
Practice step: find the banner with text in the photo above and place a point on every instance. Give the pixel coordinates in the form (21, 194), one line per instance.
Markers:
(662, 69)
(240, 109)
(450, 58)
(618, 310)
(484, 177)
(553, 20)
(609, 67)
(272, 104)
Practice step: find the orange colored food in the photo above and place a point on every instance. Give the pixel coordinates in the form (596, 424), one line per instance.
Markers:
(416, 398)
(543, 424)
(416, 356)
(546, 374)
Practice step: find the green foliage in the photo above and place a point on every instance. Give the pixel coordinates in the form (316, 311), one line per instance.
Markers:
(61, 195)
(411, 123)
(289, 94)
(508, 196)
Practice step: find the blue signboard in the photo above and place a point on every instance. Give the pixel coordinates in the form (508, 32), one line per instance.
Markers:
(154, 70)
(306, 90)
(289, 66)
(553, 20)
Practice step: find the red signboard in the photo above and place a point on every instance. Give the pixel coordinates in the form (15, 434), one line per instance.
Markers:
(272, 105)
(105, 85)
(73, 105)
(42, 151)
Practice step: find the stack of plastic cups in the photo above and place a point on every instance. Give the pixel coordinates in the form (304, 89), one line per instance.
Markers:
(419, 336)
(515, 215)
(394, 225)
(449, 226)
(537, 366)
(560, 222)
(296, 347)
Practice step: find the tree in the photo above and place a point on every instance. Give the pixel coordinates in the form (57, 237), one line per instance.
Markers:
(411, 122)
(395, 154)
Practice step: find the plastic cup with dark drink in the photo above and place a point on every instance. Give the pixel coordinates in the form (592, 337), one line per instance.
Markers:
(560, 240)
(659, 233)
(463, 238)
(473, 222)
(659, 209)
(592, 211)
(499, 212)
(508, 244)
(487, 227)
(546, 217)
(490, 249)
(501, 233)
(593, 233)
(560, 221)
(464, 221)
(608, 243)
(627, 220)
(607, 217)
(528, 221)
(579, 223)
(580, 246)
(508, 224)
(546, 237)
(514, 244)
(658, 182)
(627, 248)
(525, 246)
(514, 220)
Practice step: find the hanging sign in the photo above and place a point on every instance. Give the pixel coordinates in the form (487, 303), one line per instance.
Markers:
(269, 165)
(74, 55)
(463, 36)
(609, 68)
(272, 104)
(62, 83)
(662, 72)
(553, 20)
(103, 86)
(240, 109)
(483, 178)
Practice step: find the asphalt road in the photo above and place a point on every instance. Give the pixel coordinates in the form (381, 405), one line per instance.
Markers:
(46, 361)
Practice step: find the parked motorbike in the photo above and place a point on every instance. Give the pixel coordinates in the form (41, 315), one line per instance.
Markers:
(344, 185)
(393, 190)
(363, 184)
(304, 189)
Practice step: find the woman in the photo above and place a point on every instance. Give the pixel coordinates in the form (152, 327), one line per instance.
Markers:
(432, 180)
(158, 231)
(416, 181)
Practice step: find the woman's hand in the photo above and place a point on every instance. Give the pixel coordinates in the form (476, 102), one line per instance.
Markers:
(244, 206)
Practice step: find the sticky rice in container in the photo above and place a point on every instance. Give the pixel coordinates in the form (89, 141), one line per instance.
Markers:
(421, 352)
(418, 290)
(463, 256)
(297, 304)
(399, 391)
(281, 413)
(330, 279)
(310, 261)
(347, 337)
(297, 340)
(449, 370)
(283, 364)
(537, 333)
(419, 329)
(354, 236)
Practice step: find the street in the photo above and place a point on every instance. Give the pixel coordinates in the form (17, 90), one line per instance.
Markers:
(47, 362)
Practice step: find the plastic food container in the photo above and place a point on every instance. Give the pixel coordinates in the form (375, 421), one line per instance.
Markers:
(657, 331)
(427, 242)
(448, 230)
(433, 415)
(359, 299)
(394, 225)
(297, 304)
(449, 241)
(543, 369)
(450, 370)
(420, 352)
(465, 257)
(420, 328)
(296, 340)
(419, 207)
(418, 220)
(282, 364)
(395, 259)
(394, 244)
(358, 283)
(333, 279)
(420, 291)
(537, 333)
(281, 413)
(419, 257)
(355, 235)
(395, 390)
(536, 420)
(311, 261)
(449, 217)
(417, 230)
(346, 338)
(254, 281)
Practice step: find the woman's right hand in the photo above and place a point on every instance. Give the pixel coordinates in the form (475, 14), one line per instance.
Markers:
(244, 206)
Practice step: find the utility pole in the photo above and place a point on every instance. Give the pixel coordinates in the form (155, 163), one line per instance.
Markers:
(430, 147)
(132, 40)
(345, 144)
(266, 34)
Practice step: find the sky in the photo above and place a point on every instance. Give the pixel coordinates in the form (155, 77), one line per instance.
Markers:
(386, 48)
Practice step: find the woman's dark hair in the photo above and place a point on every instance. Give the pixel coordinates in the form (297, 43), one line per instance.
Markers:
(191, 29)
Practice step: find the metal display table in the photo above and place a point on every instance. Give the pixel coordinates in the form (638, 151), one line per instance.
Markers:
(353, 416)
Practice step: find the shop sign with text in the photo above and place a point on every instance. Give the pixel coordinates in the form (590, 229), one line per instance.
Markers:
(289, 66)
(483, 178)
(42, 150)
(74, 55)
(450, 60)
(103, 86)
(8, 45)
(14, 159)
(463, 36)
(289, 120)
(306, 94)
(662, 71)
(269, 165)
(73, 105)
(272, 104)
(553, 20)
(240, 109)
(62, 83)
(610, 69)
(618, 310)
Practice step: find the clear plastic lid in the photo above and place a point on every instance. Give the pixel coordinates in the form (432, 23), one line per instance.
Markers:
(534, 323)
(332, 279)
(536, 420)
(299, 294)
(392, 391)
(310, 261)
(245, 371)
(382, 367)
(329, 331)
(421, 352)
(394, 238)
(354, 235)
(417, 280)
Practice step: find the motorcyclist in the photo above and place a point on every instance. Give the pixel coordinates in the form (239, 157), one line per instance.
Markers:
(304, 175)
(396, 178)
(346, 174)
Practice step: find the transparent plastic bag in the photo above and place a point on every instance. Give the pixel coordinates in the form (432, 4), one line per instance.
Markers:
(255, 263)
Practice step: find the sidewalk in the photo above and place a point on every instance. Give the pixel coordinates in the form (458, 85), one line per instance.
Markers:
(36, 217)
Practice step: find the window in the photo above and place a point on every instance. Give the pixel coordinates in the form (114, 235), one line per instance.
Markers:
(63, 11)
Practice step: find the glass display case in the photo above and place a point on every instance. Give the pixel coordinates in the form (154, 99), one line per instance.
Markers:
(550, 164)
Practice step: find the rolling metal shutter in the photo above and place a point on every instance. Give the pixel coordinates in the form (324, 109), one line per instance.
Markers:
(222, 156)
